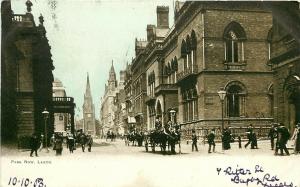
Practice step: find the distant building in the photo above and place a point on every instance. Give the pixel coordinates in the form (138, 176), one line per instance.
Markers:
(89, 122)
(108, 108)
(61, 120)
(26, 75)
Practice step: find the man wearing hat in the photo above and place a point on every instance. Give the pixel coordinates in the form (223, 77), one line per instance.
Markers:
(211, 140)
(272, 135)
(283, 137)
(194, 140)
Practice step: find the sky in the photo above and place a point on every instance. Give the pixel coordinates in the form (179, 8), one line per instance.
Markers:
(87, 35)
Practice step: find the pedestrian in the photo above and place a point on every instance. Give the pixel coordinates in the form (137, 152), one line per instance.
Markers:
(108, 136)
(296, 138)
(240, 141)
(226, 138)
(82, 141)
(254, 141)
(58, 145)
(249, 133)
(211, 140)
(272, 136)
(71, 143)
(194, 140)
(112, 136)
(34, 144)
(283, 137)
(89, 142)
(41, 142)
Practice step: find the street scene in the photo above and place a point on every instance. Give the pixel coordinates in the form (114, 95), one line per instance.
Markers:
(167, 80)
(196, 82)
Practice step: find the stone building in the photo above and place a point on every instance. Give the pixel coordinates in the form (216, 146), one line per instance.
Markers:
(61, 120)
(108, 107)
(217, 49)
(120, 105)
(128, 119)
(88, 109)
(26, 74)
(212, 46)
(284, 41)
(161, 85)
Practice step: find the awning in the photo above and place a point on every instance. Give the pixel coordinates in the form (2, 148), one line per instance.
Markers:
(131, 119)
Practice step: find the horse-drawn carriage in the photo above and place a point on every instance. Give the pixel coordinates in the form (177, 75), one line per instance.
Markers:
(134, 138)
(167, 136)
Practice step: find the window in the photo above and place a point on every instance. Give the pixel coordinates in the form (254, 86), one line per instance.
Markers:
(236, 93)
(234, 101)
(193, 47)
(170, 71)
(234, 36)
(184, 54)
(190, 103)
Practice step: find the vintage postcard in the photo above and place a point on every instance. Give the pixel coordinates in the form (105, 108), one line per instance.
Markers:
(134, 93)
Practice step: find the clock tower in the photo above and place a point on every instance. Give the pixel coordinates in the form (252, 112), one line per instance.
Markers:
(89, 126)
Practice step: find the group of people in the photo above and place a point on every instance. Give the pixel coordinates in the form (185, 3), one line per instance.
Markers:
(57, 140)
(278, 134)
(111, 135)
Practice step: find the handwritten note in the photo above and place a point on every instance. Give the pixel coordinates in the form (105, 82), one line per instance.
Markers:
(255, 175)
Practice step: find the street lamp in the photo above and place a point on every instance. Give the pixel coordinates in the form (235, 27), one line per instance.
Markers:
(46, 115)
(222, 95)
(172, 113)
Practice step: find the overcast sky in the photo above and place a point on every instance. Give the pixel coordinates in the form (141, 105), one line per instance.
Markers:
(86, 35)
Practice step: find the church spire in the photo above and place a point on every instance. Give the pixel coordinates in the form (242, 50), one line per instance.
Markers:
(88, 87)
(112, 74)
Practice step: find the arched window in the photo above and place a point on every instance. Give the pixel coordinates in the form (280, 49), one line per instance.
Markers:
(234, 35)
(188, 50)
(184, 54)
(193, 47)
(235, 101)
(271, 100)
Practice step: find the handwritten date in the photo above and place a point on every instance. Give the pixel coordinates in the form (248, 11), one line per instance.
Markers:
(26, 182)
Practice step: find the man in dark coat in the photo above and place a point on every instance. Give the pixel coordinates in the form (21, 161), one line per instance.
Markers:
(249, 133)
(194, 140)
(71, 143)
(272, 136)
(226, 139)
(283, 137)
(34, 144)
(254, 141)
(58, 144)
(82, 141)
(211, 140)
(89, 142)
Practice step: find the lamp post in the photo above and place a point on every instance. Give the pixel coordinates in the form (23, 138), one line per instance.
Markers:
(46, 115)
(172, 113)
(222, 95)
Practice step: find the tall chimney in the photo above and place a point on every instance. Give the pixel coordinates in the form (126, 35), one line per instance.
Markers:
(162, 16)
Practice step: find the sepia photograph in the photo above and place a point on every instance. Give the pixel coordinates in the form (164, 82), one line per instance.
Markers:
(150, 93)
